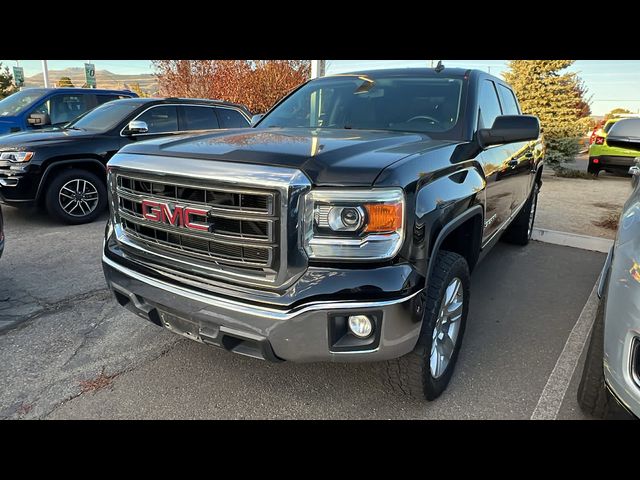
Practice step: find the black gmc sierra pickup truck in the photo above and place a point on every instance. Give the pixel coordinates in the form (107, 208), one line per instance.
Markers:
(342, 227)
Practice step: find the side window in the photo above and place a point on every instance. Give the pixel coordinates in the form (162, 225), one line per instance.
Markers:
(489, 105)
(64, 108)
(509, 102)
(231, 118)
(199, 118)
(161, 119)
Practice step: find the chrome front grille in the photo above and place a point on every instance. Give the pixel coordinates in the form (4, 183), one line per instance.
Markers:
(222, 221)
(241, 224)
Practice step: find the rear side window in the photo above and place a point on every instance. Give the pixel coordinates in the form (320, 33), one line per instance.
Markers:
(607, 126)
(199, 118)
(231, 118)
(489, 104)
(509, 102)
(161, 119)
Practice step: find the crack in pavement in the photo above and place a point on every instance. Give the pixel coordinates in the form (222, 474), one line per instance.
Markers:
(53, 307)
(115, 375)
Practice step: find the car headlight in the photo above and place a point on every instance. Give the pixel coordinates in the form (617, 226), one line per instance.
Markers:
(353, 224)
(16, 157)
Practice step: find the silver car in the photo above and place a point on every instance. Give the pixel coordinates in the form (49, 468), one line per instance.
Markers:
(610, 384)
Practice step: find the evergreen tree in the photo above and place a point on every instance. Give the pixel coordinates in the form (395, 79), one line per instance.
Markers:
(557, 99)
(7, 87)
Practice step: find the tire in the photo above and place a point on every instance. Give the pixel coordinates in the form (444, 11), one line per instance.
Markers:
(412, 374)
(592, 169)
(593, 397)
(521, 228)
(65, 185)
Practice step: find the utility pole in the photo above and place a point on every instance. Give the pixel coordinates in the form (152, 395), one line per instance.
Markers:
(45, 73)
(318, 68)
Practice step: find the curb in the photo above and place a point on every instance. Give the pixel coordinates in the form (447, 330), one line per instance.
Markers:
(595, 244)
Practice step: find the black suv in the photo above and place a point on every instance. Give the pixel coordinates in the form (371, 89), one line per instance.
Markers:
(64, 169)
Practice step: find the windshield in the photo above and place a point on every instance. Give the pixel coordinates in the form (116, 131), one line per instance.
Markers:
(14, 104)
(105, 116)
(410, 104)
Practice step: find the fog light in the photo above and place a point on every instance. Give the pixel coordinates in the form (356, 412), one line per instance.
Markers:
(360, 325)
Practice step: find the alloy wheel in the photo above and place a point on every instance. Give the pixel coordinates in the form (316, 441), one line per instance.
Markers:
(78, 197)
(445, 332)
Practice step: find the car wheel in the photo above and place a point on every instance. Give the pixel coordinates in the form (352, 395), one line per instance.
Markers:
(76, 196)
(521, 229)
(425, 372)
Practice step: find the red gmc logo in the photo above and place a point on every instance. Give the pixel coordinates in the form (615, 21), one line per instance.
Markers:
(178, 217)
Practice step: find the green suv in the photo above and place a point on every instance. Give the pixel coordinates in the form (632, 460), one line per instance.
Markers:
(604, 157)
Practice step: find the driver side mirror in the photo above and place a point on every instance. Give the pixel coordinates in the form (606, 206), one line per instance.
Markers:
(508, 129)
(37, 119)
(136, 127)
(256, 118)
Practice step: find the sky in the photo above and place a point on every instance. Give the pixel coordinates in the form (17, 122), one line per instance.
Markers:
(613, 83)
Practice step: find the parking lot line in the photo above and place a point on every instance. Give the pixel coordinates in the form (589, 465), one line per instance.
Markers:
(555, 390)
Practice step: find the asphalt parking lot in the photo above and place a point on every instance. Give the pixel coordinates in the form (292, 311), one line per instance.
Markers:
(67, 350)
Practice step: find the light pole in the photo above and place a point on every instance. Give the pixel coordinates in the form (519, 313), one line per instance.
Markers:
(317, 68)
(45, 73)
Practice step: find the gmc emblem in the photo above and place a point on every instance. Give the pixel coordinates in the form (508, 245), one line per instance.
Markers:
(178, 217)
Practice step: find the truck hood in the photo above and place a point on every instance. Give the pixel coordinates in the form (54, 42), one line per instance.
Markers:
(327, 157)
(24, 140)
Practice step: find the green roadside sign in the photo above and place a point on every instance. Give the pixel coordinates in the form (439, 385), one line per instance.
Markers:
(18, 76)
(90, 74)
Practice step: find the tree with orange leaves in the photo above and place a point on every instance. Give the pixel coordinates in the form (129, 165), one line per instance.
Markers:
(257, 84)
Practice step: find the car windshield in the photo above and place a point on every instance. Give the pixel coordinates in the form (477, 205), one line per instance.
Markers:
(395, 103)
(14, 104)
(105, 116)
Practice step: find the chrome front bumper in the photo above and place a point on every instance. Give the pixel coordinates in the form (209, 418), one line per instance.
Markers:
(300, 334)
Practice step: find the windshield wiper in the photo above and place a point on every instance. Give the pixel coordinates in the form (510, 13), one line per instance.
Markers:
(73, 128)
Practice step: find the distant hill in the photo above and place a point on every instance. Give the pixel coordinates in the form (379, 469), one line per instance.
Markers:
(104, 79)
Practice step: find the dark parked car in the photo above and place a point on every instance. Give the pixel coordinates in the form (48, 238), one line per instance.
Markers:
(343, 227)
(36, 108)
(64, 169)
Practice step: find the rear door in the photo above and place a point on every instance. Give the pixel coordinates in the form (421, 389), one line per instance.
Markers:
(522, 160)
(231, 118)
(198, 117)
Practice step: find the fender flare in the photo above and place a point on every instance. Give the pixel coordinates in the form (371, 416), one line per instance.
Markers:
(448, 228)
(56, 164)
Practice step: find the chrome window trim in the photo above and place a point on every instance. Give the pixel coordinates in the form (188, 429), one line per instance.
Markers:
(180, 131)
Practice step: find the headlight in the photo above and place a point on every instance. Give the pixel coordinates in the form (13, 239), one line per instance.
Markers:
(353, 224)
(16, 157)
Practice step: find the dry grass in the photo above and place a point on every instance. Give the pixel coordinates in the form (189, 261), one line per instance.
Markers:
(609, 221)
(98, 383)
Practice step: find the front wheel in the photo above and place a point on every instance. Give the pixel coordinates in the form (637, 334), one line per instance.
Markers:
(425, 372)
(76, 196)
